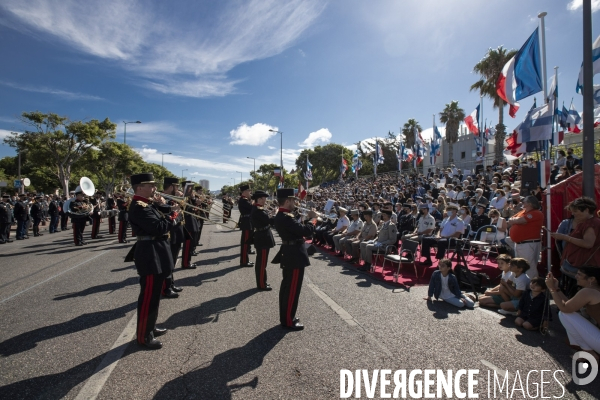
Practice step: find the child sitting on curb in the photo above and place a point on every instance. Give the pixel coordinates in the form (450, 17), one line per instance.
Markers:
(444, 285)
(504, 266)
(512, 289)
(534, 306)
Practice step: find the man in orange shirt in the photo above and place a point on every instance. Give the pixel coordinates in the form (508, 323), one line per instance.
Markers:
(525, 234)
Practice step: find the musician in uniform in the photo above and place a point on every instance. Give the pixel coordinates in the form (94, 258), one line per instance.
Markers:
(21, 213)
(176, 234)
(191, 228)
(151, 221)
(64, 214)
(111, 204)
(79, 211)
(245, 208)
(96, 218)
(263, 237)
(122, 205)
(53, 213)
(227, 206)
(37, 213)
(5, 219)
(202, 204)
(293, 257)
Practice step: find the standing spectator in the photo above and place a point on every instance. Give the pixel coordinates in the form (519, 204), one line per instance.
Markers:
(583, 334)
(525, 234)
(583, 242)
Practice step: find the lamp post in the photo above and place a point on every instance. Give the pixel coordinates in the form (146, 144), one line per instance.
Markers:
(280, 149)
(182, 171)
(233, 181)
(125, 130)
(241, 179)
(163, 159)
(254, 169)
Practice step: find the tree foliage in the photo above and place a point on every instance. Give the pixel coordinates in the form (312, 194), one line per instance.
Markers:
(452, 116)
(326, 162)
(408, 132)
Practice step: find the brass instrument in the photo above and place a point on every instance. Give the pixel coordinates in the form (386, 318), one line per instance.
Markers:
(87, 187)
(332, 217)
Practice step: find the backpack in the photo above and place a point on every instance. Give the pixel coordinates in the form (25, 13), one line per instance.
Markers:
(468, 280)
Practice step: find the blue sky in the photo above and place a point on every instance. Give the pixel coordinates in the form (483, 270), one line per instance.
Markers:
(208, 79)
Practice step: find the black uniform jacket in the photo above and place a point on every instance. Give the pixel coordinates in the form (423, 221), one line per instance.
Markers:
(96, 203)
(53, 208)
(5, 217)
(151, 256)
(122, 206)
(20, 211)
(261, 222)
(191, 222)
(245, 208)
(292, 255)
(36, 211)
(76, 207)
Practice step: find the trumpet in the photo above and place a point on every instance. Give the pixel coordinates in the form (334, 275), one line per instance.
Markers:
(331, 217)
(182, 204)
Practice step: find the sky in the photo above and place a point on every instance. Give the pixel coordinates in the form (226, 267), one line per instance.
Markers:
(209, 79)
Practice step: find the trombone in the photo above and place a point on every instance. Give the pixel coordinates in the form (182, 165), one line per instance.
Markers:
(331, 217)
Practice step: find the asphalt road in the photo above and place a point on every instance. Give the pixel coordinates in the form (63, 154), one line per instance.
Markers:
(66, 316)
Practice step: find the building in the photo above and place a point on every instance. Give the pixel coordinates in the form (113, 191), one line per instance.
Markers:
(204, 183)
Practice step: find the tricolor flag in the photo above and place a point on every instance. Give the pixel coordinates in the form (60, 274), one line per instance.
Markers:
(595, 60)
(543, 172)
(436, 142)
(344, 167)
(573, 119)
(400, 155)
(537, 125)
(277, 171)
(378, 154)
(308, 164)
(407, 154)
(472, 122)
(522, 75)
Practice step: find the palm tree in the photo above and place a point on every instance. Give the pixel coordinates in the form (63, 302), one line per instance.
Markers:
(408, 131)
(489, 68)
(452, 116)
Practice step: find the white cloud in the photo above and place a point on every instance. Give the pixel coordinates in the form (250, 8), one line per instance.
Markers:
(575, 5)
(202, 175)
(149, 132)
(254, 135)
(271, 147)
(57, 92)
(4, 133)
(352, 147)
(321, 136)
(153, 155)
(302, 53)
(186, 51)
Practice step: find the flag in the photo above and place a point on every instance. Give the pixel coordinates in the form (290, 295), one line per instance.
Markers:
(436, 142)
(573, 119)
(596, 69)
(308, 164)
(344, 167)
(277, 171)
(472, 122)
(378, 154)
(419, 139)
(552, 98)
(521, 76)
(308, 175)
(301, 191)
(564, 115)
(356, 164)
(407, 154)
(537, 125)
(492, 131)
(543, 172)
(514, 148)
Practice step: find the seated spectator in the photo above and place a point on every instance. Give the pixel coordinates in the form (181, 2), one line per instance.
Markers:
(367, 233)
(478, 220)
(435, 213)
(349, 234)
(583, 334)
(387, 235)
(444, 285)
(534, 306)
(342, 224)
(513, 289)
(500, 224)
(425, 226)
(465, 214)
(407, 221)
(499, 200)
(451, 228)
(583, 243)
(504, 266)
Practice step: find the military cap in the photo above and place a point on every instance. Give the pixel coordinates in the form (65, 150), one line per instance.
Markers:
(283, 193)
(142, 178)
(245, 187)
(258, 194)
(168, 181)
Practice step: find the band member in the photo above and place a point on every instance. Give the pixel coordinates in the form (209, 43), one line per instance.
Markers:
(227, 206)
(122, 205)
(191, 230)
(112, 220)
(263, 237)
(36, 215)
(293, 257)
(96, 202)
(79, 216)
(21, 213)
(151, 222)
(170, 186)
(64, 214)
(204, 214)
(5, 219)
(245, 208)
(54, 214)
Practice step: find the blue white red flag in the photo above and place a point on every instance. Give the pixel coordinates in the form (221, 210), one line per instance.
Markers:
(595, 60)
(472, 121)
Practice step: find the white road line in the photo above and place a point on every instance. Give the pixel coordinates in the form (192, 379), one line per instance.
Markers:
(55, 276)
(500, 371)
(96, 382)
(345, 315)
(94, 385)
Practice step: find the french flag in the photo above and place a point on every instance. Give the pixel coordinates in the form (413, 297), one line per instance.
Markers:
(522, 75)
(543, 168)
(472, 122)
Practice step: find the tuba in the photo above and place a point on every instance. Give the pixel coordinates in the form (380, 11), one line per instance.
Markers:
(87, 187)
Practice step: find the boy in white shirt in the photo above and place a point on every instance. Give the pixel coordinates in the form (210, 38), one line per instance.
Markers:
(514, 288)
(487, 299)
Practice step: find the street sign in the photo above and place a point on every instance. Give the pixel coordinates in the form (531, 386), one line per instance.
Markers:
(17, 183)
(3, 184)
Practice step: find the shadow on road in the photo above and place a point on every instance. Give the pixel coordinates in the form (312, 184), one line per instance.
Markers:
(29, 340)
(212, 382)
(203, 277)
(218, 249)
(107, 287)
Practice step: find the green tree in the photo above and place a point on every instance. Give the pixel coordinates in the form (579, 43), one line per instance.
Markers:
(56, 142)
(408, 132)
(326, 161)
(452, 116)
(489, 68)
(264, 178)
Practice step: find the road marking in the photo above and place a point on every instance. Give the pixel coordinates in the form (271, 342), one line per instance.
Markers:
(55, 276)
(490, 312)
(345, 315)
(96, 382)
(500, 371)
(94, 385)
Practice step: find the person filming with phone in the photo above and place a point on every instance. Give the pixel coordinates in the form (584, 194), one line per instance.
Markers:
(582, 244)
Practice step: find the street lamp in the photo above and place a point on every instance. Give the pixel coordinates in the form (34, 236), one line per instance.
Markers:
(254, 170)
(182, 171)
(233, 181)
(241, 179)
(163, 158)
(125, 131)
(280, 148)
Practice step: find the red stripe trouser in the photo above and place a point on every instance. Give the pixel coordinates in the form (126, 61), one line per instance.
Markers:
(260, 267)
(289, 294)
(148, 302)
(245, 246)
(111, 225)
(122, 231)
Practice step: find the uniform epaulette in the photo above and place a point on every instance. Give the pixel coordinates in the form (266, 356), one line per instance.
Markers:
(260, 208)
(290, 215)
(141, 203)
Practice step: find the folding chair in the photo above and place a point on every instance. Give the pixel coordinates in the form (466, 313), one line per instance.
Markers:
(409, 248)
(484, 246)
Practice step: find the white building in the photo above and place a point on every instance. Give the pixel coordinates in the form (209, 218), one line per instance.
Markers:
(204, 183)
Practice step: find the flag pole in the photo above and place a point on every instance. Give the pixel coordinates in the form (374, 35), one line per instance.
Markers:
(543, 55)
(588, 103)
